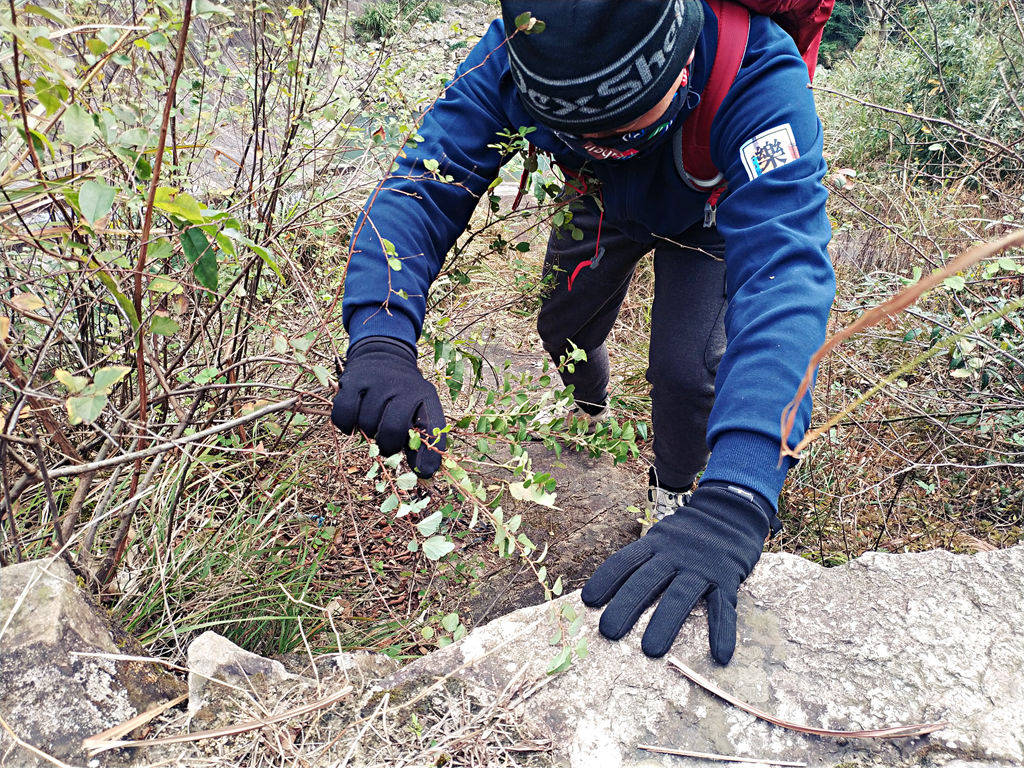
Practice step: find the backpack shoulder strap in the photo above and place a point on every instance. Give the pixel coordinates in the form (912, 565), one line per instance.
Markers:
(693, 142)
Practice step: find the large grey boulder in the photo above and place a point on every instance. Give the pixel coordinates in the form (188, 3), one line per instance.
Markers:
(51, 697)
(882, 640)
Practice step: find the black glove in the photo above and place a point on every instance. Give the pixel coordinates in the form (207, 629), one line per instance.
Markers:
(382, 393)
(704, 549)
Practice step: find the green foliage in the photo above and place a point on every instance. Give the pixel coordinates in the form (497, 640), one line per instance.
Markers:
(955, 74)
(844, 29)
(433, 10)
(378, 20)
(385, 18)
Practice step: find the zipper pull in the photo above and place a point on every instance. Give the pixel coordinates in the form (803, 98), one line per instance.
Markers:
(710, 214)
(711, 206)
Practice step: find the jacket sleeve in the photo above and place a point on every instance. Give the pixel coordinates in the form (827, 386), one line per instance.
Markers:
(779, 280)
(419, 215)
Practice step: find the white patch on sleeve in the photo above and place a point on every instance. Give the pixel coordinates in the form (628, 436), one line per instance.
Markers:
(769, 150)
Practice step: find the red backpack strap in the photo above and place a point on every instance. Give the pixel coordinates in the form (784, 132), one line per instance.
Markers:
(693, 149)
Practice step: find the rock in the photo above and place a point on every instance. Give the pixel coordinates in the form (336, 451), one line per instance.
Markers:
(591, 522)
(580, 534)
(49, 696)
(882, 640)
(358, 668)
(225, 680)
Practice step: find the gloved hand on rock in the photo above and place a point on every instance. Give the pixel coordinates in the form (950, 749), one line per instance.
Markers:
(383, 394)
(704, 549)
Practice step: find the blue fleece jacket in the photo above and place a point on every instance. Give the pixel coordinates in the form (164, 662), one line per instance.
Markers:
(780, 282)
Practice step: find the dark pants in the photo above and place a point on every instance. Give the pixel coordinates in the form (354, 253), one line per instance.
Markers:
(687, 327)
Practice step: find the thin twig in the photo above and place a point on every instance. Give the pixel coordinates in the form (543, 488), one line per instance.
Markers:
(889, 732)
(877, 314)
(231, 730)
(720, 758)
(123, 729)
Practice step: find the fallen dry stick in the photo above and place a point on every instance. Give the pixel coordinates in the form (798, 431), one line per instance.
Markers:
(116, 732)
(875, 315)
(891, 732)
(720, 758)
(231, 730)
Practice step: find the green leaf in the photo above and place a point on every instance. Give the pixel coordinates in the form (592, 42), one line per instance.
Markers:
(78, 126)
(86, 409)
(95, 199)
(46, 95)
(205, 9)
(105, 378)
(581, 648)
(161, 284)
(159, 249)
(437, 547)
(407, 481)
(164, 325)
(324, 377)
(428, 526)
(450, 622)
(534, 493)
(390, 504)
(259, 250)
(956, 282)
(561, 661)
(170, 200)
(200, 253)
(49, 13)
(431, 165)
(75, 384)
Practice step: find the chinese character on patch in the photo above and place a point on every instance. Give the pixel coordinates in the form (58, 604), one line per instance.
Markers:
(769, 150)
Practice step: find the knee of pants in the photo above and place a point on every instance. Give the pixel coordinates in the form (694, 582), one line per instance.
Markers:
(687, 377)
(552, 334)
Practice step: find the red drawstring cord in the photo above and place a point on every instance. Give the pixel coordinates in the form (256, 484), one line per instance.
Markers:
(597, 247)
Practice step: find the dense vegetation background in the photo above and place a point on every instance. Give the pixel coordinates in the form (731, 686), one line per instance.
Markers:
(177, 186)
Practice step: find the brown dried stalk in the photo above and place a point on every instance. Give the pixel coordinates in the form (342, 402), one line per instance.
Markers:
(874, 316)
(123, 729)
(889, 732)
(719, 758)
(96, 745)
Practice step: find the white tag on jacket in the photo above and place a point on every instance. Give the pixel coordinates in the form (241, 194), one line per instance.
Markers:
(769, 150)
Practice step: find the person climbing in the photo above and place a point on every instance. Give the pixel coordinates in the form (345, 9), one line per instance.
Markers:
(684, 127)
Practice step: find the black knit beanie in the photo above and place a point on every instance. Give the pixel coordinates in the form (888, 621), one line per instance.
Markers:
(598, 64)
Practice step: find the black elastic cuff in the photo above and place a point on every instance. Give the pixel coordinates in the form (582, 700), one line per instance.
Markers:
(367, 343)
(752, 496)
